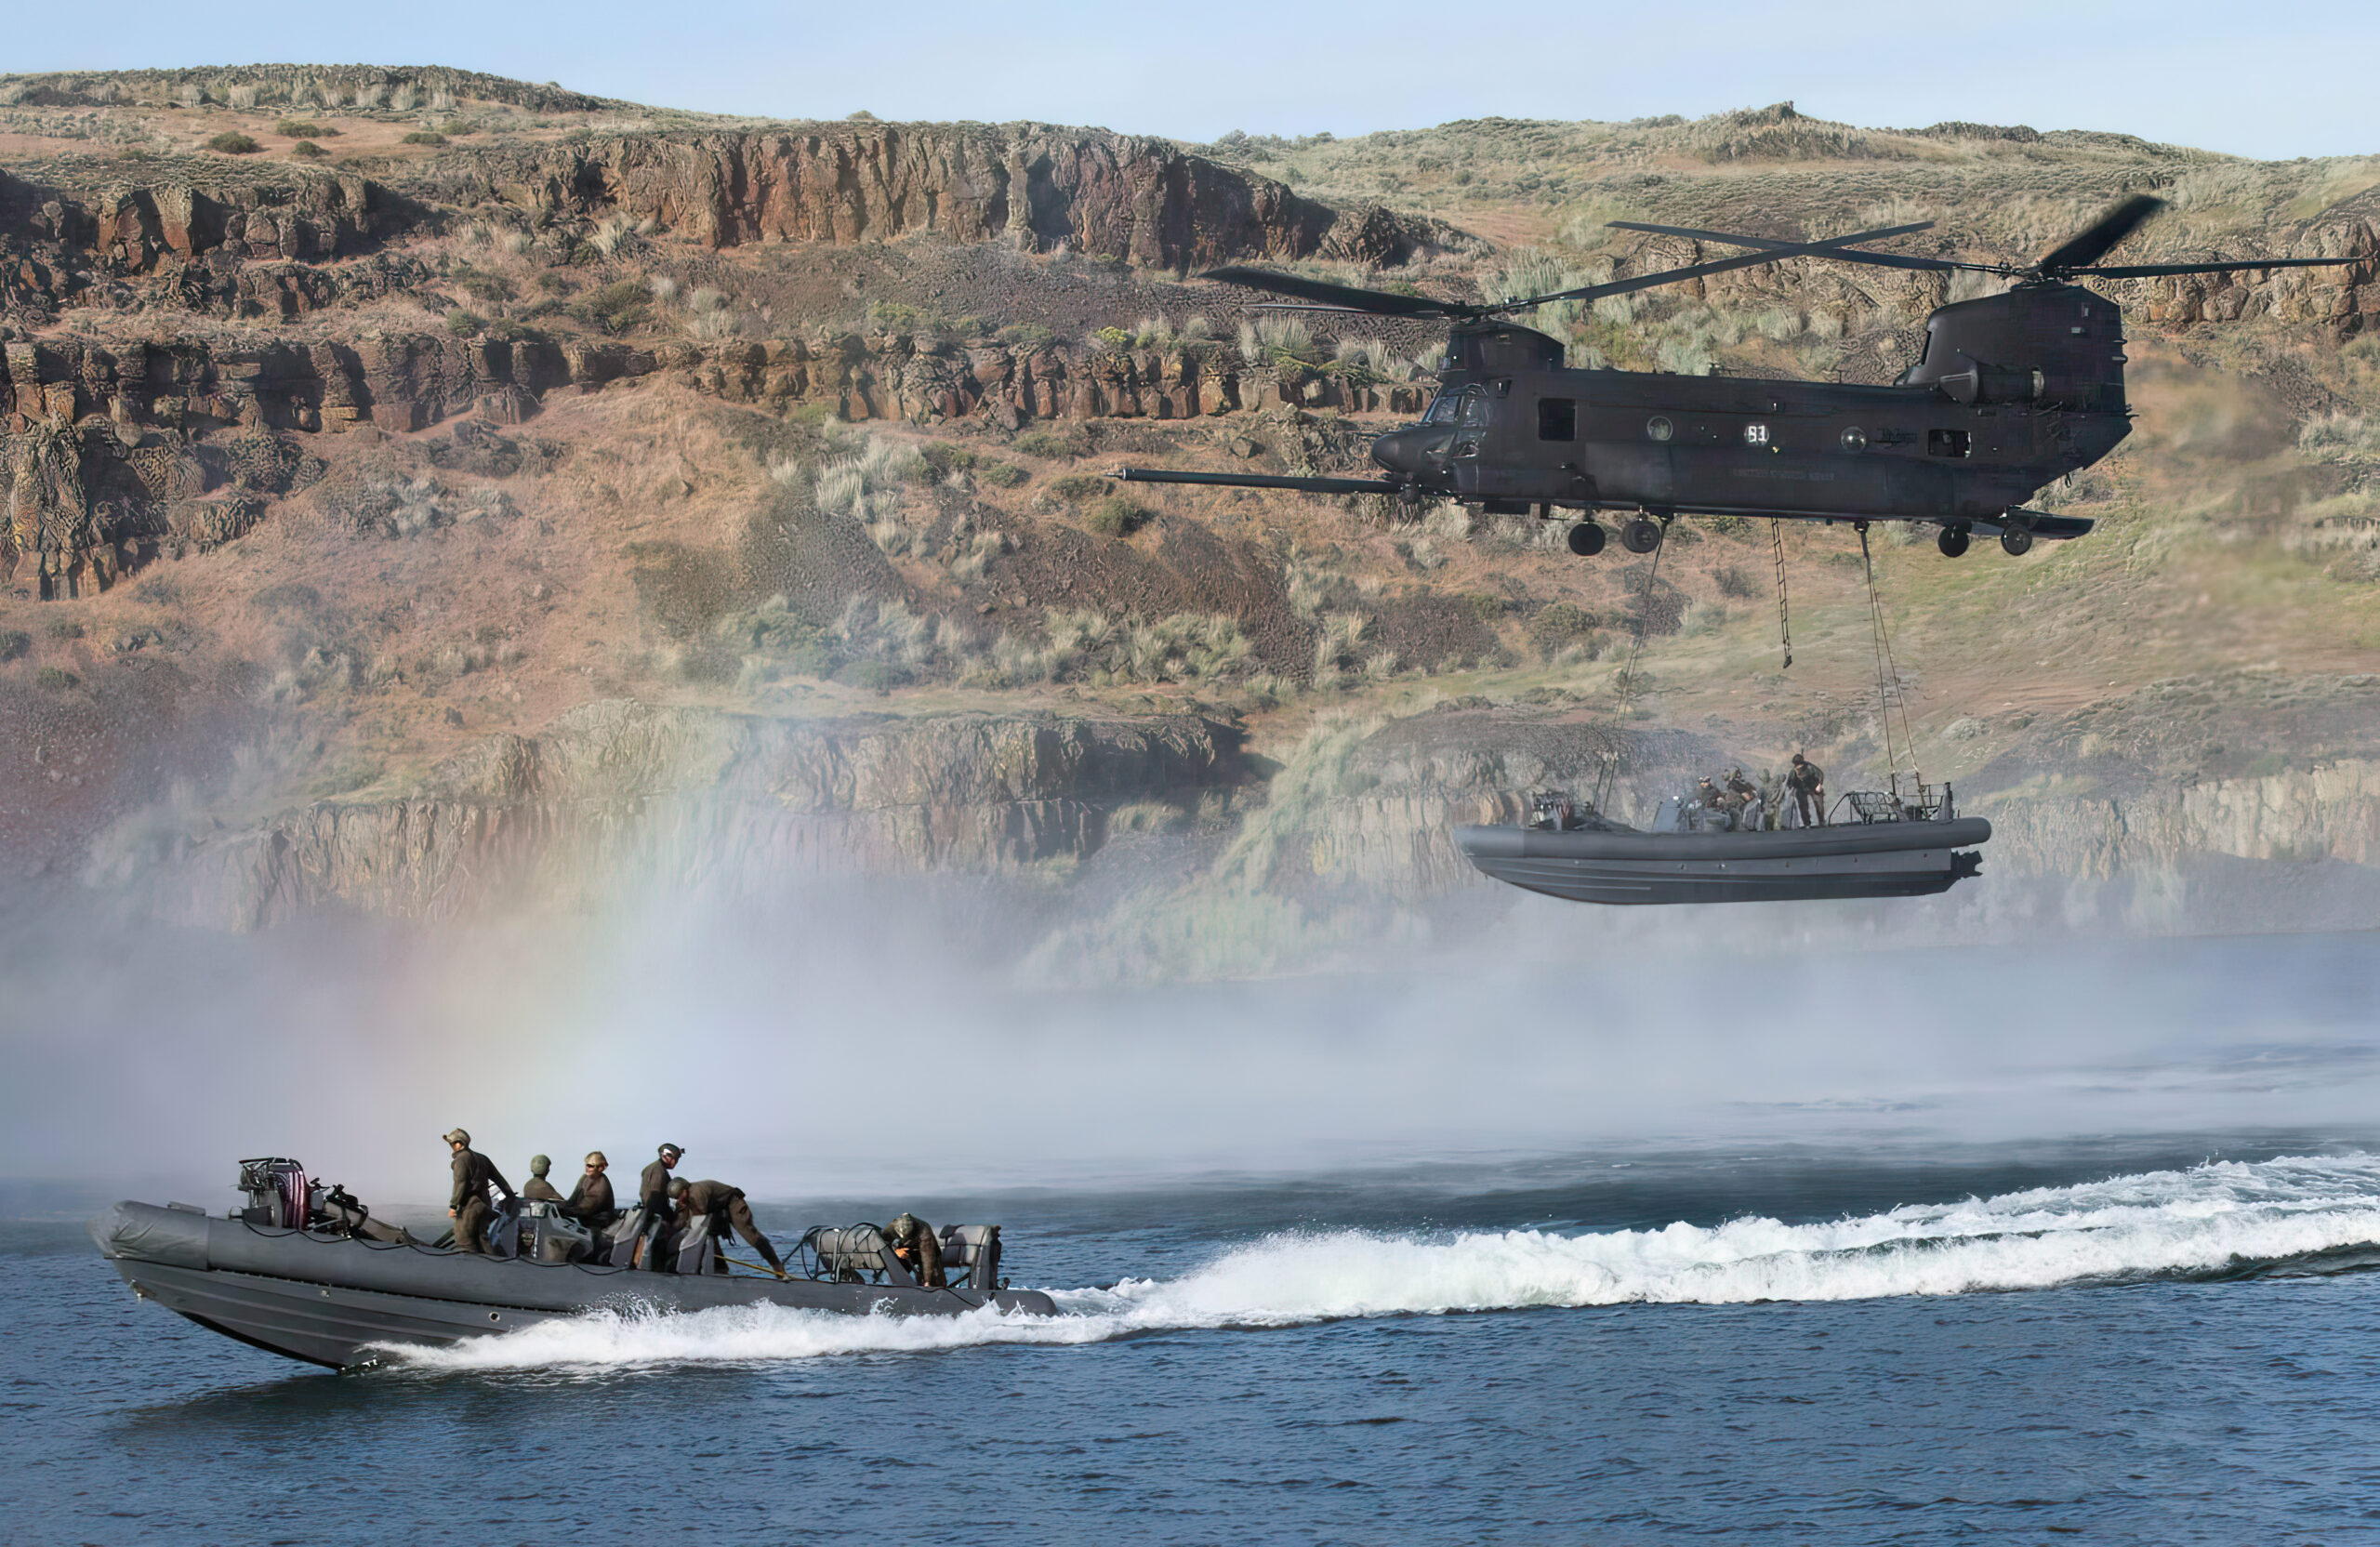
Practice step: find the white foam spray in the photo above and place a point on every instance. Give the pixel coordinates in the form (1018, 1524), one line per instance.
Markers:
(2155, 1225)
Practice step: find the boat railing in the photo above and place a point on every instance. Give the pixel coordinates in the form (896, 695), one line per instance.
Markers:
(1922, 802)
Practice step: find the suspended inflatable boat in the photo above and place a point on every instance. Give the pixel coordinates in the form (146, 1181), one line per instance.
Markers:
(304, 1271)
(1889, 849)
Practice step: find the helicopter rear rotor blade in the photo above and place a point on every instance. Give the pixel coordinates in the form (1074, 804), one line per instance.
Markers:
(1770, 253)
(1886, 260)
(1389, 303)
(2148, 271)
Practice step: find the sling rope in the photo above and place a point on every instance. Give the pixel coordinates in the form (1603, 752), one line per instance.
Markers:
(1784, 620)
(1889, 693)
(1627, 676)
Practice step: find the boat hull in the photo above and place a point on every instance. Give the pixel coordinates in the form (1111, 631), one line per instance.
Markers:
(339, 1302)
(1880, 859)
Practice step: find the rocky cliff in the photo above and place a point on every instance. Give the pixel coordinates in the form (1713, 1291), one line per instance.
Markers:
(1034, 185)
(622, 795)
(1356, 829)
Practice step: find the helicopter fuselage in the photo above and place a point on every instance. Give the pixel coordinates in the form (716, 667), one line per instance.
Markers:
(2013, 393)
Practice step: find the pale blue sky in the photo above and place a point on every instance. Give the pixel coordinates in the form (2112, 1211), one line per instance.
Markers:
(2274, 81)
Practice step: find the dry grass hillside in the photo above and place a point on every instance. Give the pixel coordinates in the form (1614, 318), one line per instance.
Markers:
(486, 402)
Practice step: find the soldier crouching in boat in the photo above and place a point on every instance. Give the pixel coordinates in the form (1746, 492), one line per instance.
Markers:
(715, 1206)
(919, 1250)
(1743, 798)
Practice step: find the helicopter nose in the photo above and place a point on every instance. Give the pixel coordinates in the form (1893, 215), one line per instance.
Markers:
(1411, 450)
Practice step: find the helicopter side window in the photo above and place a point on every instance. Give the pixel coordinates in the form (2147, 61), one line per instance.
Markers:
(1947, 442)
(1557, 418)
(1475, 407)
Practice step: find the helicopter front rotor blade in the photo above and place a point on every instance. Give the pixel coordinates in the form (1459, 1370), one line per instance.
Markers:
(2092, 241)
(1385, 303)
(1732, 240)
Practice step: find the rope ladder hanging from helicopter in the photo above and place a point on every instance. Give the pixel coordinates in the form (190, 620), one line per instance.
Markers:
(1784, 620)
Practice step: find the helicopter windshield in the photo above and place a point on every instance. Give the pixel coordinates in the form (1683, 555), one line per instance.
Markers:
(1468, 406)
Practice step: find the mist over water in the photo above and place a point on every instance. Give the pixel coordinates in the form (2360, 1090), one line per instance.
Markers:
(836, 1039)
(1668, 1223)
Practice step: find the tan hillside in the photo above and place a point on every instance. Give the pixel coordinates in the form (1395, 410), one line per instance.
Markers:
(363, 469)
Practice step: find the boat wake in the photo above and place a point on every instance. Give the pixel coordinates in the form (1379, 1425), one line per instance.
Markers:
(2219, 1220)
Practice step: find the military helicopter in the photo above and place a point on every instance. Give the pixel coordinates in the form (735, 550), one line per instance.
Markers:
(2013, 390)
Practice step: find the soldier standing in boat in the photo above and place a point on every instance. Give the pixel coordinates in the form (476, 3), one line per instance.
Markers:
(537, 1189)
(1808, 781)
(474, 1175)
(653, 1187)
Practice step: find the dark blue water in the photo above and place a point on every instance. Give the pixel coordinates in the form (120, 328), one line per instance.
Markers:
(2114, 1344)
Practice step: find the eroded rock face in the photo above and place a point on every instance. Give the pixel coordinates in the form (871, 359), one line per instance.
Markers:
(1121, 195)
(621, 793)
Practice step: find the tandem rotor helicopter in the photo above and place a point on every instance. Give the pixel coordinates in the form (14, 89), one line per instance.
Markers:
(2012, 391)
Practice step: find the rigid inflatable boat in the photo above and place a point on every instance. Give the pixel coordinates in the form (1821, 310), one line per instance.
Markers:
(320, 1280)
(1889, 849)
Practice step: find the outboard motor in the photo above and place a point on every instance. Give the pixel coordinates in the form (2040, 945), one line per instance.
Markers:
(278, 1194)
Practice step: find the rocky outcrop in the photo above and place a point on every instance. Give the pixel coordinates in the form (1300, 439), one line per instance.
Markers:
(621, 793)
(291, 84)
(407, 381)
(187, 210)
(105, 450)
(1040, 186)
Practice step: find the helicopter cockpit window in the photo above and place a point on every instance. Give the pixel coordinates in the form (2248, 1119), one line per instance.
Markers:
(1443, 408)
(1557, 418)
(1475, 406)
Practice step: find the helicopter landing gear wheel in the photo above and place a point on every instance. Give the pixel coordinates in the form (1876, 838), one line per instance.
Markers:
(1641, 536)
(1953, 542)
(1586, 539)
(2016, 542)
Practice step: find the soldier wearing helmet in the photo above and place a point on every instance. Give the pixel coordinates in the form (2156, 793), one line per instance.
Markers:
(913, 1242)
(1745, 797)
(653, 1187)
(1808, 781)
(537, 1189)
(467, 1206)
(591, 1202)
(715, 1207)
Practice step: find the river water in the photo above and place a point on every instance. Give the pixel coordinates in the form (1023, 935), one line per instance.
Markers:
(2131, 1342)
(1886, 1247)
